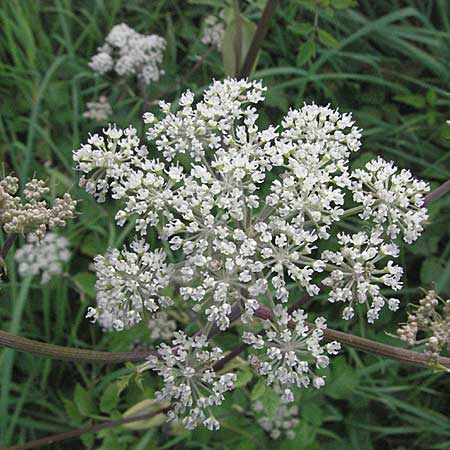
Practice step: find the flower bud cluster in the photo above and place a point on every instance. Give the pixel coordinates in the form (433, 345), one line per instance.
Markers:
(98, 110)
(128, 52)
(431, 318)
(32, 214)
(46, 256)
(281, 423)
(190, 381)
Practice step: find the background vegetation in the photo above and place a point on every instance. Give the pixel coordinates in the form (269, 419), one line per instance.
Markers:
(386, 61)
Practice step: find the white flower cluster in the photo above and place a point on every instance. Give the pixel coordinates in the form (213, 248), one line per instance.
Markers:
(391, 197)
(46, 256)
(98, 110)
(213, 31)
(282, 422)
(288, 356)
(190, 382)
(129, 285)
(242, 211)
(354, 276)
(161, 326)
(128, 52)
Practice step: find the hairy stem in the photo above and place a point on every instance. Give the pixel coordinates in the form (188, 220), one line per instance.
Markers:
(258, 38)
(22, 344)
(367, 345)
(79, 431)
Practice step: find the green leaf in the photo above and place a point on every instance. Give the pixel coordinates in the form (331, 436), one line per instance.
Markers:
(146, 406)
(431, 98)
(92, 245)
(302, 29)
(110, 398)
(84, 401)
(342, 4)
(431, 270)
(88, 440)
(271, 402)
(259, 389)
(85, 281)
(72, 411)
(244, 376)
(342, 381)
(312, 413)
(326, 39)
(416, 100)
(236, 43)
(306, 52)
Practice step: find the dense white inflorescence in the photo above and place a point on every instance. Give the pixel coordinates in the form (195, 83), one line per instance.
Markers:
(281, 423)
(213, 32)
(241, 212)
(288, 356)
(129, 285)
(46, 256)
(190, 381)
(98, 110)
(128, 52)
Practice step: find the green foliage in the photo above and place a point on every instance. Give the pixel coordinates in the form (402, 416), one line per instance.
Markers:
(386, 61)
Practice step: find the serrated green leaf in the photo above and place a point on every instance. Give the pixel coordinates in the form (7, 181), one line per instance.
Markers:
(72, 411)
(84, 401)
(110, 398)
(302, 29)
(327, 39)
(244, 376)
(306, 52)
(259, 389)
(271, 402)
(342, 381)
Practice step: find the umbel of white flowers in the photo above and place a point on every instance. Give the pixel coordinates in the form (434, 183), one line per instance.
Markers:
(128, 52)
(242, 211)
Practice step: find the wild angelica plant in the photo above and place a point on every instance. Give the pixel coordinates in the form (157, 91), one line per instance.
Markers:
(240, 212)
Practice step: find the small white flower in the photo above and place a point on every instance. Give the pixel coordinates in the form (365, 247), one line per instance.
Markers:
(289, 355)
(129, 285)
(213, 32)
(128, 52)
(46, 256)
(190, 382)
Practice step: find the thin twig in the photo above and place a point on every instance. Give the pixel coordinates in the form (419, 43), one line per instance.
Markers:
(258, 38)
(79, 431)
(437, 193)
